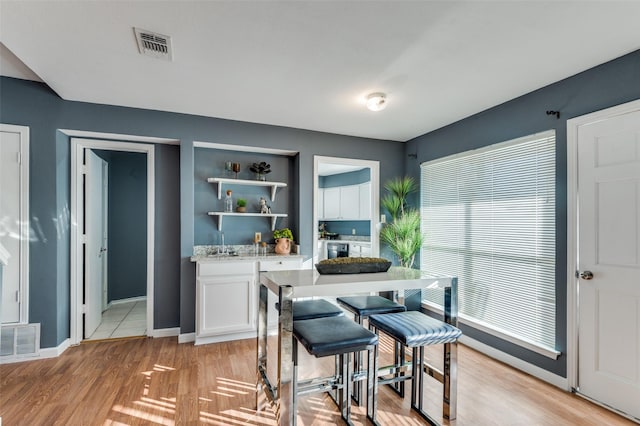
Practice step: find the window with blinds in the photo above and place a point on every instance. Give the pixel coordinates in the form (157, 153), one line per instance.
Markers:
(488, 217)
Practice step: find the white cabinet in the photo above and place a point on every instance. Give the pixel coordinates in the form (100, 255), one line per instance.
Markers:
(332, 203)
(359, 249)
(364, 192)
(320, 203)
(225, 301)
(350, 202)
(227, 297)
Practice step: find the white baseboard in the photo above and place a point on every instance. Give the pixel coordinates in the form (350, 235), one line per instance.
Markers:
(165, 332)
(225, 338)
(535, 371)
(187, 338)
(128, 300)
(44, 353)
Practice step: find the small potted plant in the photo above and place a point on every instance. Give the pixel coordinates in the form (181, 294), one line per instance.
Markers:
(242, 205)
(284, 239)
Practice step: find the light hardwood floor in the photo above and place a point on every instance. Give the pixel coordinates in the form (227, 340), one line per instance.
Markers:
(160, 382)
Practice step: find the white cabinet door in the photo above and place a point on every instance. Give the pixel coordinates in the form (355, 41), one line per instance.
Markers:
(320, 203)
(225, 305)
(225, 301)
(365, 200)
(332, 203)
(350, 202)
(360, 249)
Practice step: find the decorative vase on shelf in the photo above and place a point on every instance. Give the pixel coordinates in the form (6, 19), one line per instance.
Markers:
(283, 246)
(228, 202)
(261, 169)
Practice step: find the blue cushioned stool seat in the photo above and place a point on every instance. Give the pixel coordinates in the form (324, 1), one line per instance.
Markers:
(339, 336)
(318, 308)
(369, 305)
(333, 336)
(414, 328)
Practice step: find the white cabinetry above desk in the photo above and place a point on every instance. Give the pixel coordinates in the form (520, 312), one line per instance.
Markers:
(351, 202)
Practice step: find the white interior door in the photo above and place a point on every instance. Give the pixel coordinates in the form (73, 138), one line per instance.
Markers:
(14, 223)
(94, 248)
(105, 235)
(609, 249)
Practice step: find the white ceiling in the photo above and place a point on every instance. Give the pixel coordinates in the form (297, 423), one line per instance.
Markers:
(309, 64)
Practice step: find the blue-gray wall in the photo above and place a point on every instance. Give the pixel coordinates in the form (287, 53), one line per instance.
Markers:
(240, 230)
(37, 106)
(127, 224)
(601, 87)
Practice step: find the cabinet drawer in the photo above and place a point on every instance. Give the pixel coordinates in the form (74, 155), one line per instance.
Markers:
(280, 265)
(225, 268)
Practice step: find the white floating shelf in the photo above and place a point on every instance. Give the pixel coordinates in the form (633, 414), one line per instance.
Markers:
(273, 185)
(274, 217)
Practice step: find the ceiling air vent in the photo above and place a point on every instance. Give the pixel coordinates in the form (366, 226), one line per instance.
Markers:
(154, 44)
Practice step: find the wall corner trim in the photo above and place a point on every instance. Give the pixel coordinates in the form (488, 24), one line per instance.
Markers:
(165, 332)
(187, 338)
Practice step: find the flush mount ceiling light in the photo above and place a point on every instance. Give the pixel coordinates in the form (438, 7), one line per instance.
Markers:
(377, 101)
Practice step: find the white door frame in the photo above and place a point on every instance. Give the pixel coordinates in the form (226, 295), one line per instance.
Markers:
(572, 228)
(25, 223)
(77, 200)
(374, 167)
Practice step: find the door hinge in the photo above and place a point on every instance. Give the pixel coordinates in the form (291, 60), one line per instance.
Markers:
(84, 309)
(83, 169)
(19, 157)
(83, 239)
(17, 295)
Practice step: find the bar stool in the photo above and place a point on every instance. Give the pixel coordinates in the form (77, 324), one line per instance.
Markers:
(337, 336)
(362, 307)
(316, 308)
(416, 330)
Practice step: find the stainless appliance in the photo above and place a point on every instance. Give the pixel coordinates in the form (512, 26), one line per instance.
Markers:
(337, 250)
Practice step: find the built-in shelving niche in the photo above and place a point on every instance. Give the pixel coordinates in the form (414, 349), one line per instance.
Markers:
(229, 182)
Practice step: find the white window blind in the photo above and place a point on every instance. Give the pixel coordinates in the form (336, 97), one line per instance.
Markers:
(488, 217)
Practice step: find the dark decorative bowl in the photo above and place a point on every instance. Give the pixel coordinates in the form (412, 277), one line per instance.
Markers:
(353, 268)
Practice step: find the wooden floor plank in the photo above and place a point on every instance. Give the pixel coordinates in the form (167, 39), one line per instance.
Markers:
(161, 382)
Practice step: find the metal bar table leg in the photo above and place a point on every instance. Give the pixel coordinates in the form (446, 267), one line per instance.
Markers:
(261, 361)
(285, 414)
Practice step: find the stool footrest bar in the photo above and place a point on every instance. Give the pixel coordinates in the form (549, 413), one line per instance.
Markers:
(270, 390)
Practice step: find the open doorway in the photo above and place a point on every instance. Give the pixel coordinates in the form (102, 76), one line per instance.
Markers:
(112, 246)
(115, 251)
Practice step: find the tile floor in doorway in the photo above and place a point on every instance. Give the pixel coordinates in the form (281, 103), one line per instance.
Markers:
(122, 320)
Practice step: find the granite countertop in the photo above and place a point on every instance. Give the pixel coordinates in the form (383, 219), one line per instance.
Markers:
(348, 240)
(245, 257)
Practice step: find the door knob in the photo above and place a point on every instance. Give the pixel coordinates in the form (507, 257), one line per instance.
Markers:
(586, 275)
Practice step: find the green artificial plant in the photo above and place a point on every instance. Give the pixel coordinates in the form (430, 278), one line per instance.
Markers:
(283, 233)
(402, 234)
